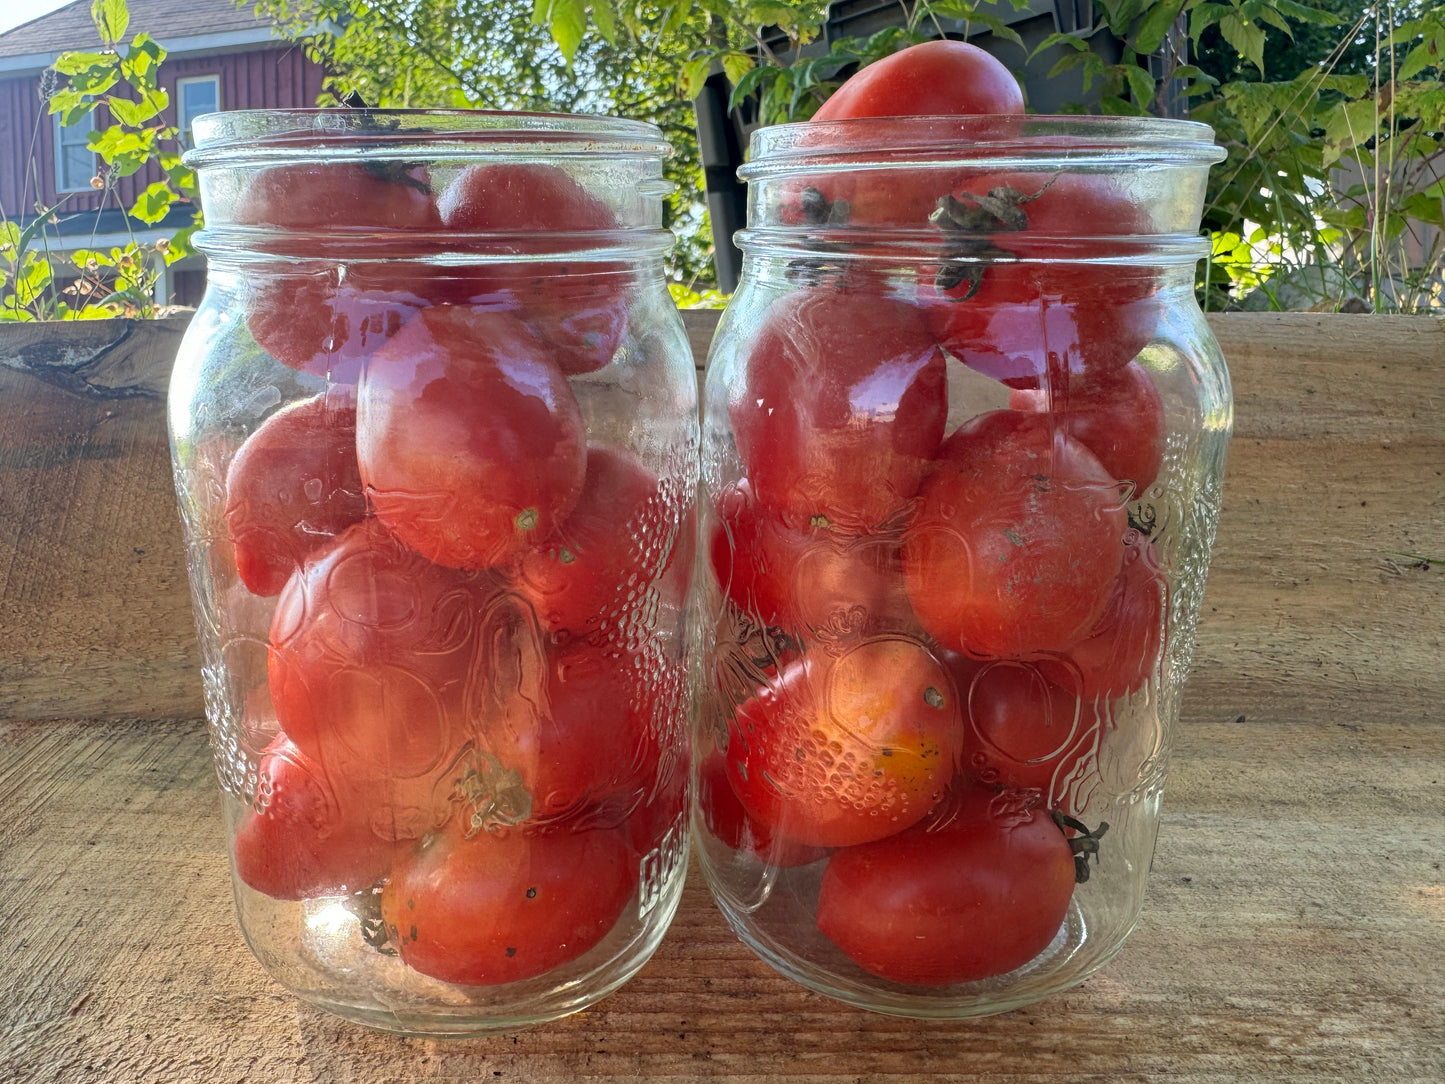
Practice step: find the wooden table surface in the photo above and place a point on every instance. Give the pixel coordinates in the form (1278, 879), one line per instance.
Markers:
(1295, 923)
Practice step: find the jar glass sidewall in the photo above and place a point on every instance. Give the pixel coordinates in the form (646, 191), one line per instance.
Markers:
(437, 491)
(902, 378)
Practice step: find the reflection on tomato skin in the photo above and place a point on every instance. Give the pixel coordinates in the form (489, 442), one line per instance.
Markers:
(844, 405)
(470, 440)
(1016, 541)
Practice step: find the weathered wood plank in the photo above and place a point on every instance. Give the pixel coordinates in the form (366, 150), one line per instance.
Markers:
(93, 594)
(1292, 932)
(1295, 922)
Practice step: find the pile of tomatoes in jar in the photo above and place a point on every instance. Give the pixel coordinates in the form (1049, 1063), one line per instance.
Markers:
(467, 719)
(924, 621)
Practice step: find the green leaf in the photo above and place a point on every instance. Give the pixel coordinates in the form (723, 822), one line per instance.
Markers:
(1350, 124)
(1067, 62)
(752, 81)
(111, 18)
(1073, 41)
(567, 20)
(1302, 14)
(1118, 107)
(1346, 218)
(135, 114)
(125, 152)
(1351, 86)
(1204, 16)
(73, 64)
(142, 62)
(85, 255)
(1155, 25)
(1425, 55)
(1276, 20)
(153, 204)
(1425, 209)
(94, 80)
(1245, 38)
(736, 65)
(1141, 84)
(605, 21)
(694, 75)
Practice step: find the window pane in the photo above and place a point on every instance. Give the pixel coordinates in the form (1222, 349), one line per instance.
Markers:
(197, 98)
(75, 165)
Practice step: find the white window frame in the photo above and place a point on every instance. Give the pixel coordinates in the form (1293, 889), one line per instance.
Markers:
(183, 123)
(86, 125)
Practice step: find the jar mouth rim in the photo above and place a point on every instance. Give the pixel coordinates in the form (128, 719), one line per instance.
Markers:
(262, 136)
(998, 140)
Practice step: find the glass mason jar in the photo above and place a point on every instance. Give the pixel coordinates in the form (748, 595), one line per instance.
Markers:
(435, 436)
(964, 429)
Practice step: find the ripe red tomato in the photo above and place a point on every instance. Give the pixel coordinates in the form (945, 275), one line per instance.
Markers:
(310, 319)
(306, 837)
(1123, 648)
(508, 906)
(1117, 414)
(470, 441)
(977, 892)
(1021, 730)
(1020, 321)
(844, 404)
(813, 579)
(728, 821)
(292, 486)
(586, 737)
(1017, 539)
(848, 748)
(579, 577)
(372, 652)
(934, 78)
(578, 310)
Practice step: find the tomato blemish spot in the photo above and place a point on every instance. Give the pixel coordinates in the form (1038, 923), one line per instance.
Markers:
(511, 951)
(932, 697)
(527, 520)
(532, 893)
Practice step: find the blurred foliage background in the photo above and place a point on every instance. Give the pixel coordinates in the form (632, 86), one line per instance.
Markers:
(1332, 111)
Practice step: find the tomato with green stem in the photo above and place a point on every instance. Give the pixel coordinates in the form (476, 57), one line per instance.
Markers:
(1020, 296)
(470, 441)
(843, 405)
(807, 579)
(373, 650)
(579, 578)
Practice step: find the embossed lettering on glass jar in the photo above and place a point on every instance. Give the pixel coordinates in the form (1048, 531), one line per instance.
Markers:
(964, 432)
(435, 440)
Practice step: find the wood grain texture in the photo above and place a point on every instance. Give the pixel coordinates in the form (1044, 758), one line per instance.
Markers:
(1295, 923)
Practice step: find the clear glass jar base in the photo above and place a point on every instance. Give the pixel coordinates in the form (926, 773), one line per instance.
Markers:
(492, 1010)
(1071, 958)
